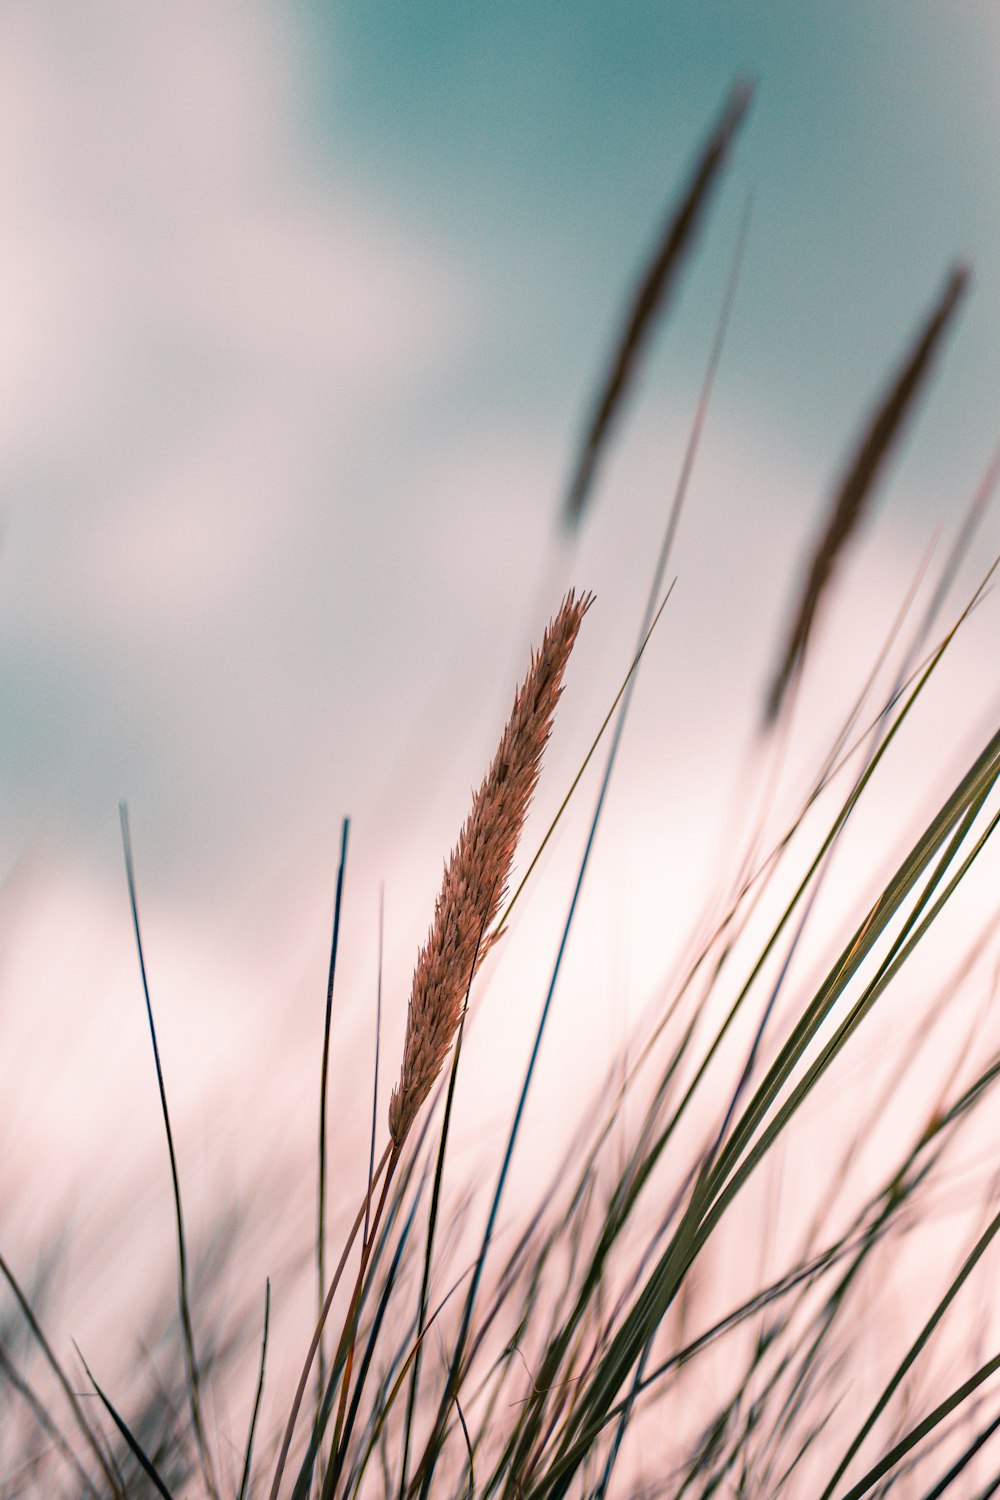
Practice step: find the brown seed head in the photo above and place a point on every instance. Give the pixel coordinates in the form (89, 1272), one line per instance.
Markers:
(476, 875)
(860, 478)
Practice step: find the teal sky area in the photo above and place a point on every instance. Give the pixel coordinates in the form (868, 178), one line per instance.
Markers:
(543, 143)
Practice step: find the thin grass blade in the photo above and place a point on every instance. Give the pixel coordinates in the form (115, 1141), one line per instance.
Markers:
(194, 1377)
(134, 1445)
(323, 1090)
(248, 1450)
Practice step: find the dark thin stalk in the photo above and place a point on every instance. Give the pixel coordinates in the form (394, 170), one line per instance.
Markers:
(248, 1452)
(378, 1046)
(300, 1389)
(194, 1381)
(337, 1465)
(964, 1459)
(323, 1087)
(428, 1254)
(135, 1446)
(349, 1332)
(921, 1430)
(915, 1349)
(365, 1239)
(470, 1492)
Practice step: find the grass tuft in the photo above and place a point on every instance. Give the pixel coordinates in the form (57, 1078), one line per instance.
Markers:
(795, 1149)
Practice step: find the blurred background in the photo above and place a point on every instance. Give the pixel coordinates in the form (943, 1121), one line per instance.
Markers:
(303, 309)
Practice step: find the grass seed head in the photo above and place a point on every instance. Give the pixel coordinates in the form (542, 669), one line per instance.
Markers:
(476, 874)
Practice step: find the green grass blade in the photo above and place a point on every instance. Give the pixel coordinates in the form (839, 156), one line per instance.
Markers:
(915, 1350)
(724, 1180)
(922, 1429)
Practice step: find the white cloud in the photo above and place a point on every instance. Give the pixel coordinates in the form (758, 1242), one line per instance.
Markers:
(187, 291)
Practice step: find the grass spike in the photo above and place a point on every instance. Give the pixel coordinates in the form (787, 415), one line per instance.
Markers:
(651, 296)
(855, 488)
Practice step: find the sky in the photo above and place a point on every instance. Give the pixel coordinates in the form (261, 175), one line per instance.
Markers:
(303, 310)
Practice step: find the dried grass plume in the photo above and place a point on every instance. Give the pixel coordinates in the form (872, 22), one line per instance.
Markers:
(476, 875)
(859, 480)
(652, 294)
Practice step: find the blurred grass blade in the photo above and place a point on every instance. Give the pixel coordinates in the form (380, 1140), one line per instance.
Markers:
(248, 1451)
(470, 1492)
(60, 1374)
(915, 1349)
(38, 1410)
(858, 482)
(134, 1445)
(650, 297)
(194, 1379)
(964, 1459)
(922, 1429)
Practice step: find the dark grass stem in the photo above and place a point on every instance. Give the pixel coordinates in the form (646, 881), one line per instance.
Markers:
(915, 1350)
(135, 1447)
(323, 1092)
(366, 1237)
(349, 1332)
(258, 1396)
(293, 1415)
(432, 1225)
(336, 1468)
(923, 1429)
(183, 1287)
(961, 1463)
(378, 1047)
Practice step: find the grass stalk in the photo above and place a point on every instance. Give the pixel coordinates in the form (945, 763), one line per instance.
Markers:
(323, 1092)
(183, 1281)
